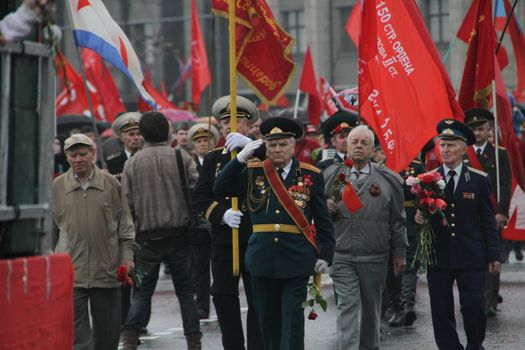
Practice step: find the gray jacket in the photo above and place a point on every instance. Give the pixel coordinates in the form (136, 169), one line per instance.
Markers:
(378, 228)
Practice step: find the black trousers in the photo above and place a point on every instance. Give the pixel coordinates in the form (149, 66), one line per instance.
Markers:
(471, 286)
(201, 254)
(225, 292)
(281, 315)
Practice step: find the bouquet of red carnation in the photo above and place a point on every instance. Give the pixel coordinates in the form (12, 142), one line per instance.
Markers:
(314, 292)
(428, 188)
(127, 278)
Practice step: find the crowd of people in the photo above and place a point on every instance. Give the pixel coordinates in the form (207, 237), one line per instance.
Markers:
(293, 221)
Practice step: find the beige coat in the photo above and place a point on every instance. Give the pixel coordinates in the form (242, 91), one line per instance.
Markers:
(93, 226)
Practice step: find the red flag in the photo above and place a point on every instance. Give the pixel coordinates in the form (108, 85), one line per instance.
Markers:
(327, 93)
(72, 99)
(515, 229)
(264, 49)
(354, 23)
(162, 102)
(402, 80)
(200, 73)
(481, 68)
(99, 75)
(308, 84)
(518, 43)
(351, 199)
(348, 100)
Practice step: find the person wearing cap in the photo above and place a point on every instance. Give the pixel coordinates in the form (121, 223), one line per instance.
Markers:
(284, 197)
(126, 128)
(305, 146)
(366, 235)
(203, 138)
(335, 130)
(479, 119)
(182, 141)
(465, 248)
(92, 223)
(217, 209)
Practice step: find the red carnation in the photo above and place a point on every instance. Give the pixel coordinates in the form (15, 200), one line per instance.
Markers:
(312, 315)
(426, 178)
(437, 176)
(441, 204)
(349, 163)
(341, 177)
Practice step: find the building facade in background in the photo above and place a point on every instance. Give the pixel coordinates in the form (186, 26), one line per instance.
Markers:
(160, 31)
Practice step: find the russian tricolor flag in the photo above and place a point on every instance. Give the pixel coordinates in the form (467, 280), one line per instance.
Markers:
(94, 29)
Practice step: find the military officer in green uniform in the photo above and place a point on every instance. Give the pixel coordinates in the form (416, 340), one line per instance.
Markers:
(217, 209)
(479, 119)
(125, 127)
(336, 130)
(284, 198)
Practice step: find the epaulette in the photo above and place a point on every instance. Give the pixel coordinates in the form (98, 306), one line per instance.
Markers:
(477, 171)
(113, 156)
(256, 164)
(502, 148)
(215, 149)
(310, 167)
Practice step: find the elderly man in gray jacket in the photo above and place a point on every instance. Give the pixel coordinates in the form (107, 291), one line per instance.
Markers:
(365, 237)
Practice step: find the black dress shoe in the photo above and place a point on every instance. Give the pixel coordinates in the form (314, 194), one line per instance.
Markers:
(203, 315)
(500, 299)
(491, 312)
(519, 254)
(396, 320)
(410, 317)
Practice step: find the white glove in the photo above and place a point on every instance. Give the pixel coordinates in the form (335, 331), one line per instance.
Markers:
(232, 218)
(235, 140)
(321, 266)
(248, 151)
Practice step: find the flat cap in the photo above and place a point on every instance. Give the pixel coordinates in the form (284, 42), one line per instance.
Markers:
(203, 130)
(477, 116)
(451, 129)
(77, 139)
(245, 108)
(279, 128)
(126, 122)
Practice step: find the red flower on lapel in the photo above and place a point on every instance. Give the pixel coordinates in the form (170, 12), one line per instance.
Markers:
(375, 190)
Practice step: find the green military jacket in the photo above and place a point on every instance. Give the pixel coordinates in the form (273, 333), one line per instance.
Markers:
(277, 248)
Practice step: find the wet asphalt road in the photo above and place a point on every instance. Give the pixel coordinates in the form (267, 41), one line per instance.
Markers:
(506, 331)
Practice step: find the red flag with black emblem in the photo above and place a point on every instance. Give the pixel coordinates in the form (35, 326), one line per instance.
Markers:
(402, 81)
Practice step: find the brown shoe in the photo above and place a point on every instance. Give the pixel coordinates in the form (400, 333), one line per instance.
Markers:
(194, 341)
(130, 339)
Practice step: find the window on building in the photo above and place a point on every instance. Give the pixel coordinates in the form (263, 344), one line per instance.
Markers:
(345, 43)
(294, 25)
(437, 20)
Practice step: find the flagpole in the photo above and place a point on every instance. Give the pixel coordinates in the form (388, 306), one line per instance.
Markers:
(296, 105)
(506, 24)
(496, 137)
(88, 95)
(233, 124)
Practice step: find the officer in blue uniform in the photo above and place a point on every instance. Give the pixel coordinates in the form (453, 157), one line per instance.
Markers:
(466, 247)
(284, 197)
(335, 131)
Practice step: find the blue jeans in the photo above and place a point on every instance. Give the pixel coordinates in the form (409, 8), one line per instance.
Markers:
(175, 253)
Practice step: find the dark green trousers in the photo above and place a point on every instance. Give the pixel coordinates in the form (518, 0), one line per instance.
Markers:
(281, 316)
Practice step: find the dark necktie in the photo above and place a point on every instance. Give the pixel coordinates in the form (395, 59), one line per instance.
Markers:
(449, 189)
(478, 151)
(280, 171)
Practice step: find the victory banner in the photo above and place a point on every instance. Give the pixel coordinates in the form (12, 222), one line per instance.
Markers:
(404, 90)
(264, 49)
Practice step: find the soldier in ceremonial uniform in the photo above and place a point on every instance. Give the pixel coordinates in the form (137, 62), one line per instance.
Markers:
(335, 130)
(217, 209)
(125, 127)
(479, 119)
(466, 247)
(284, 197)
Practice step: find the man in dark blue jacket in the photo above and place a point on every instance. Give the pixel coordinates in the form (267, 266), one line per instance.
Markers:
(466, 247)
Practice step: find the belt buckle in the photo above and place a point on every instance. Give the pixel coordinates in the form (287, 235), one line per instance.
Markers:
(277, 227)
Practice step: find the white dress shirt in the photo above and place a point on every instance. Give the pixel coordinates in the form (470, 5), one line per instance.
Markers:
(286, 170)
(482, 147)
(456, 177)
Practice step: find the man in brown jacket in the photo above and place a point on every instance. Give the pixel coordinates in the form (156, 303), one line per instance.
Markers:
(93, 224)
(152, 184)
